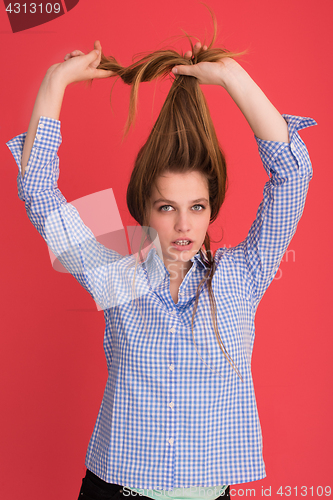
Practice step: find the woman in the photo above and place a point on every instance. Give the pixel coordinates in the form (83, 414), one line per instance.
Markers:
(173, 417)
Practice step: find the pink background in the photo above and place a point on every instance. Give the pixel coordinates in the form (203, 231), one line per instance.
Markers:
(53, 370)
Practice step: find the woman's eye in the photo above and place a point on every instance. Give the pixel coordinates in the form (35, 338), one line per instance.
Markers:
(168, 208)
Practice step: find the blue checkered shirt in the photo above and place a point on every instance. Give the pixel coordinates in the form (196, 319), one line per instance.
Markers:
(173, 415)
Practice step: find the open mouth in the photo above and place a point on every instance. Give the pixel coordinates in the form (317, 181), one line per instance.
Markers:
(182, 244)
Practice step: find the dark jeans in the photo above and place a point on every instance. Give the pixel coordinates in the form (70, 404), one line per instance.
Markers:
(94, 488)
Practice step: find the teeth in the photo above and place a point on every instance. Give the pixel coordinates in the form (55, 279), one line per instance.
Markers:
(182, 242)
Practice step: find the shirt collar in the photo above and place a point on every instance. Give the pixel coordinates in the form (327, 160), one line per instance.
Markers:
(153, 252)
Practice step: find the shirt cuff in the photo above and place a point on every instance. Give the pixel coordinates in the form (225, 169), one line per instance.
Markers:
(48, 134)
(47, 137)
(40, 171)
(270, 151)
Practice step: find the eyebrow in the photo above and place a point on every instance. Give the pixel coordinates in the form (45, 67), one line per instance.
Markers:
(174, 203)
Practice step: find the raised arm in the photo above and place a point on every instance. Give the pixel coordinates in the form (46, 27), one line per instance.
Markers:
(286, 161)
(35, 153)
(76, 67)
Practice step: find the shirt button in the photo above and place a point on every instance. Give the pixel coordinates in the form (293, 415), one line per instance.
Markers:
(38, 137)
(173, 312)
(26, 169)
(171, 367)
(171, 404)
(171, 440)
(172, 330)
(41, 125)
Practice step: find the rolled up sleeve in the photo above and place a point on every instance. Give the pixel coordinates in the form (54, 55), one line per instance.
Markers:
(289, 169)
(59, 222)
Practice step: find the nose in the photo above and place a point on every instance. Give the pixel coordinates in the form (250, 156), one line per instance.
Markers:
(182, 222)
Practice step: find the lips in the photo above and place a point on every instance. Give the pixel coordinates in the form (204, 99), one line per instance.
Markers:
(182, 242)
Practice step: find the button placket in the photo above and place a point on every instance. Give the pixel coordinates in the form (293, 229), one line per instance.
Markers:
(171, 404)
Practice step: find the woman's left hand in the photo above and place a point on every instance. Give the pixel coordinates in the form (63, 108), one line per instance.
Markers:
(207, 73)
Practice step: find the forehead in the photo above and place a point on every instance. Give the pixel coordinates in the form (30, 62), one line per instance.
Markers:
(181, 184)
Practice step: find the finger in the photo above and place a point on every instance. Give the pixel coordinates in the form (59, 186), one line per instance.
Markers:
(97, 45)
(102, 73)
(74, 53)
(93, 58)
(183, 69)
(196, 48)
(204, 47)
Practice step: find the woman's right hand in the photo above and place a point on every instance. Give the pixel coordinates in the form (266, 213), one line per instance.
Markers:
(78, 67)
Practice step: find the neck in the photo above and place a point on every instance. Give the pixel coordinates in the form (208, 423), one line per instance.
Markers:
(177, 269)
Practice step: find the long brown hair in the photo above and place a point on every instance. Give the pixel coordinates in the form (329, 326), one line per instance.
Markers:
(183, 139)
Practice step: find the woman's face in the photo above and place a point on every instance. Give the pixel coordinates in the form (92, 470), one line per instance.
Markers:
(180, 213)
